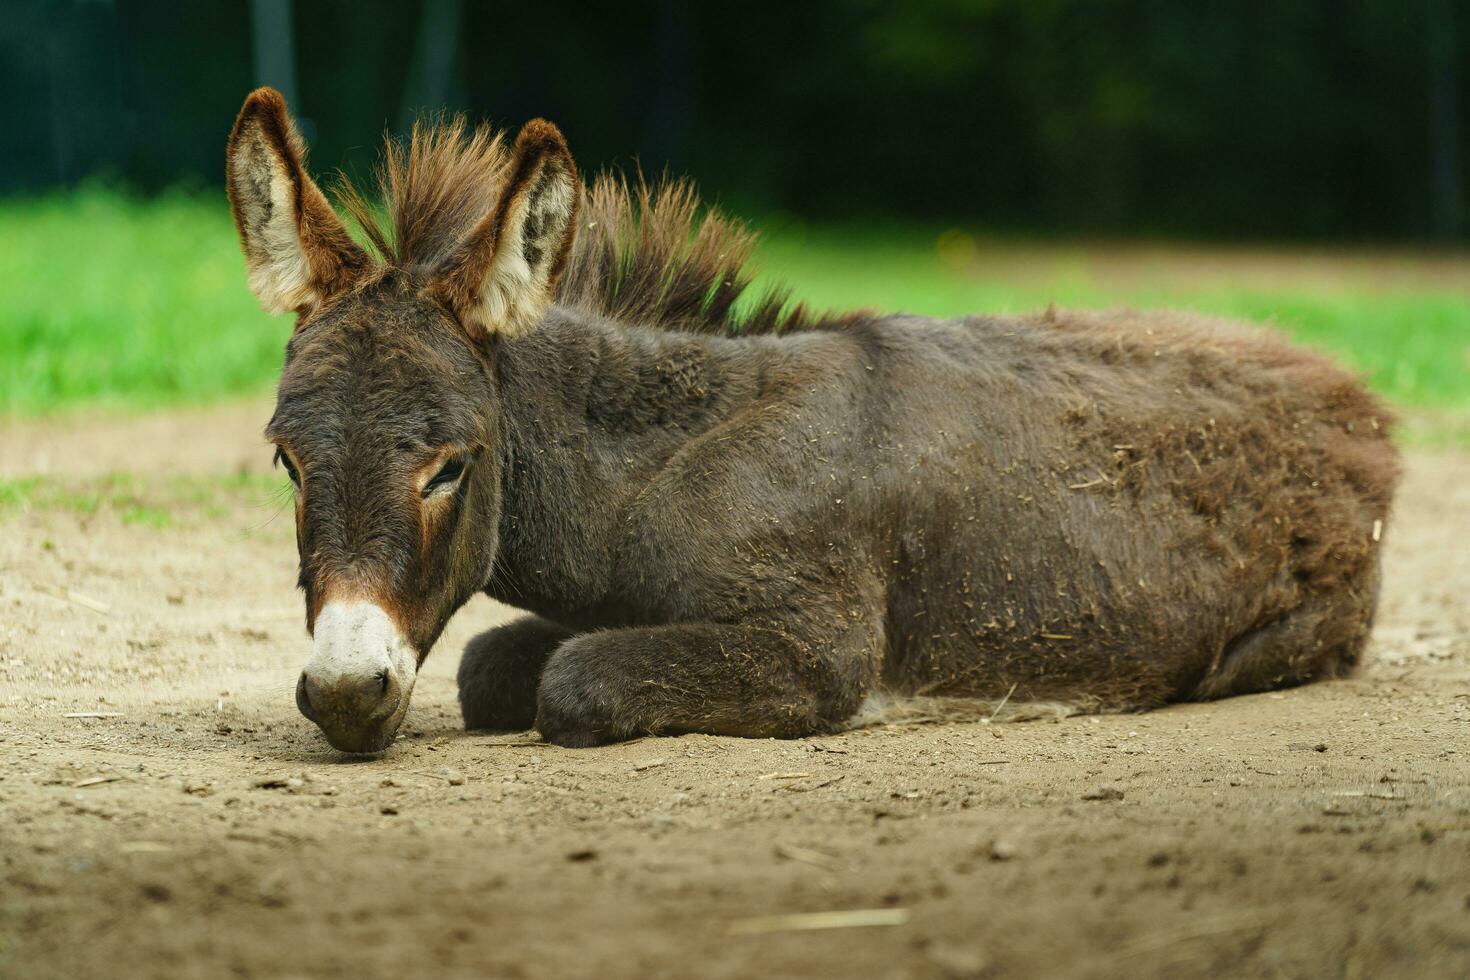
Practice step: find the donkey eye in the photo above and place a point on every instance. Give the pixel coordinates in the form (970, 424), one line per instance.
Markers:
(290, 468)
(451, 471)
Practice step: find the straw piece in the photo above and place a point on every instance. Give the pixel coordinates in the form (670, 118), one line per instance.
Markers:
(807, 921)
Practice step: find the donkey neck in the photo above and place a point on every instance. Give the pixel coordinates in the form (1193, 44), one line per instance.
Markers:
(592, 411)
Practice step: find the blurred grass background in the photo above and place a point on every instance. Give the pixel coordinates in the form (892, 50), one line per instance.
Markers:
(114, 302)
(941, 157)
(143, 498)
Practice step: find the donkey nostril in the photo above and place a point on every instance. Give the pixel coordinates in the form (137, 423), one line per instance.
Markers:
(303, 699)
(382, 676)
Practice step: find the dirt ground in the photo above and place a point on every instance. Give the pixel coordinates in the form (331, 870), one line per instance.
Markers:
(165, 812)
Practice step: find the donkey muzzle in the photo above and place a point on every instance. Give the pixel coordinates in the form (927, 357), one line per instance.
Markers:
(356, 685)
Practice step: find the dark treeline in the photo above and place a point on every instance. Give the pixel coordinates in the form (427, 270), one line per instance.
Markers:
(1236, 117)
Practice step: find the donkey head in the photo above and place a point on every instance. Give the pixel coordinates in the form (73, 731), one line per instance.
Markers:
(387, 415)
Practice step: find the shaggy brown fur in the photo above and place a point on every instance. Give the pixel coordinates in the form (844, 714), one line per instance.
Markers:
(436, 188)
(647, 254)
(652, 255)
(755, 527)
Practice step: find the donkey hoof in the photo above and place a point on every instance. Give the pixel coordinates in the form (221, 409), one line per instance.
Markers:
(572, 729)
(570, 718)
(585, 697)
(572, 738)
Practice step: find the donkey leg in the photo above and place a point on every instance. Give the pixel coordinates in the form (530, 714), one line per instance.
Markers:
(1324, 637)
(753, 681)
(500, 671)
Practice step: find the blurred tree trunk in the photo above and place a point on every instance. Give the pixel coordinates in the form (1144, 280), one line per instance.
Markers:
(275, 46)
(88, 127)
(432, 72)
(671, 111)
(1447, 177)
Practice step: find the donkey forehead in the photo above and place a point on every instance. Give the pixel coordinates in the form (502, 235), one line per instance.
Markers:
(380, 374)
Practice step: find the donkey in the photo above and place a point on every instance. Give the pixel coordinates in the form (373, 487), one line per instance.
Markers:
(751, 519)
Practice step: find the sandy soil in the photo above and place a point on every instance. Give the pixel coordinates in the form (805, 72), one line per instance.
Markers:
(165, 812)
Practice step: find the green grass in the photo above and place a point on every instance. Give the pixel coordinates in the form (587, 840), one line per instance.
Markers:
(114, 302)
(133, 499)
(107, 301)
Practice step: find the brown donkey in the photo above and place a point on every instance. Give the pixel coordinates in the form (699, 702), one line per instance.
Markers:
(755, 523)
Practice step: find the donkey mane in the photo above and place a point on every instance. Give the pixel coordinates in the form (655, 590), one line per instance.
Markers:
(650, 254)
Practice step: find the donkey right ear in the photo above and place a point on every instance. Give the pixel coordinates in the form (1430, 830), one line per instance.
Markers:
(296, 248)
(503, 275)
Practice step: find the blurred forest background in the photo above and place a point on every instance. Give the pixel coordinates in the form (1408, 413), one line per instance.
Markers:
(942, 156)
(1239, 117)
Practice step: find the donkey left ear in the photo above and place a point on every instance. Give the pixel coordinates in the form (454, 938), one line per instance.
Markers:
(296, 249)
(501, 278)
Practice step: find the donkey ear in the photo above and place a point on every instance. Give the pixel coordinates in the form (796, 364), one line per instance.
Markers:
(296, 248)
(501, 278)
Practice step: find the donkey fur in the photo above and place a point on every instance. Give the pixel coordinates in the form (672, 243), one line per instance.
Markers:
(748, 527)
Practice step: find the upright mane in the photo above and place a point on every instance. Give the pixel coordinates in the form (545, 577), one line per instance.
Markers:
(650, 254)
